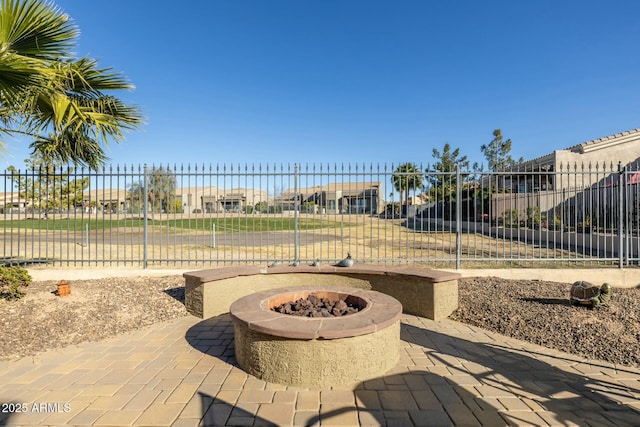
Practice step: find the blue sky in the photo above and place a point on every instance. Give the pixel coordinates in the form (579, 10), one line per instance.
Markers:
(361, 81)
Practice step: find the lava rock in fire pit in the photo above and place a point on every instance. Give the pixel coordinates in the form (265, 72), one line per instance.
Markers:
(313, 306)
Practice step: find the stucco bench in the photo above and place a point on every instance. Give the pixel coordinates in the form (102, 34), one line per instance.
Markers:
(427, 293)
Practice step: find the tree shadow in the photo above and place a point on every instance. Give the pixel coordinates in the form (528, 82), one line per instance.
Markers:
(5, 417)
(418, 398)
(217, 412)
(214, 336)
(571, 397)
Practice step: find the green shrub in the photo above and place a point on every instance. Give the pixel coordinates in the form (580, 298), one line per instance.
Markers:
(533, 215)
(510, 218)
(13, 281)
(308, 207)
(262, 207)
(177, 207)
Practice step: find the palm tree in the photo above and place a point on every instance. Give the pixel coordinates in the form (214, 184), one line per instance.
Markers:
(45, 93)
(407, 177)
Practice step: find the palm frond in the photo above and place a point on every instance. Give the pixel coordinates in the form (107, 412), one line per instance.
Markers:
(44, 90)
(70, 147)
(36, 29)
(32, 34)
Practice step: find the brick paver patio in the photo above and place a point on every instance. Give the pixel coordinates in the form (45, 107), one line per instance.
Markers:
(183, 373)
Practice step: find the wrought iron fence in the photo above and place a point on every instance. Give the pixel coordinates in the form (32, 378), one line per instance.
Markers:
(172, 216)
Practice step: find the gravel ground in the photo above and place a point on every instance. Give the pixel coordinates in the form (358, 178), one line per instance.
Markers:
(96, 309)
(533, 311)
(539, 312)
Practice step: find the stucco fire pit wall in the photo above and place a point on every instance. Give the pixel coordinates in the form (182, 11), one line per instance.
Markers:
(424, 292)
(319, 351)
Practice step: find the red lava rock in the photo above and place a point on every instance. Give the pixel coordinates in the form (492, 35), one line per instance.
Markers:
(313, 306)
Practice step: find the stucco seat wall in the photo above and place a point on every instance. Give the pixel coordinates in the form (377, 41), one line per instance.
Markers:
(427, 293)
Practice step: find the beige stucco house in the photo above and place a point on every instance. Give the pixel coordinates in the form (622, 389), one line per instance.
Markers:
(191, 199)
(13, 202)
(572, 183)
(351, 197)
(213, 199)
(593, 161)
(340, 197)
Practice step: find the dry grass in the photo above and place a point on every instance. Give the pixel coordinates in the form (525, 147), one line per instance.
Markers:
(368, 239)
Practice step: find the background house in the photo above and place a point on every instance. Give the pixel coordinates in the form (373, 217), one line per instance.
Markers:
(13, 202)
(341, 197)
(181, 200)
(569, 185)
(595, 160)
(213, 199)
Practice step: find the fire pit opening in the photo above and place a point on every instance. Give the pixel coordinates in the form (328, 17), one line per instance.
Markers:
(316, 349)
(318, 304)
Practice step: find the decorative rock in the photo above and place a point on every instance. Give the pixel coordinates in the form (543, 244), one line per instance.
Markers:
(312, 306)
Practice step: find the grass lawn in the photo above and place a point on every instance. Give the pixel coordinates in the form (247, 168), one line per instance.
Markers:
(224, 225)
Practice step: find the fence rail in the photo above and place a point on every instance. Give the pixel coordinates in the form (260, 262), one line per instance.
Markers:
(170, 216)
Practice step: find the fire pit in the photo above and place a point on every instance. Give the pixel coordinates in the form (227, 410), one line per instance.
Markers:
(317, 351)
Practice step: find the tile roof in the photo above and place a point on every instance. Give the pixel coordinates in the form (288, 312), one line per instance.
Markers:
(589, 145)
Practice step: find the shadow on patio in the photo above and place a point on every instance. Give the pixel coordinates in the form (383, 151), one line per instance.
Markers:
(445, 379)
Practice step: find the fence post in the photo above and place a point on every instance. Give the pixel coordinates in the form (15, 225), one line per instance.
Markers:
(458, 218)
(620, 215)
(296, 209)
(145, 216)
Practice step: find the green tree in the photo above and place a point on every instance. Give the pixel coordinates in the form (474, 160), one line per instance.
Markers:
(407, 177)
(443, 183)
(48, 184)
(161, 191)
(497, 153)
(135, 197)
(63, 103)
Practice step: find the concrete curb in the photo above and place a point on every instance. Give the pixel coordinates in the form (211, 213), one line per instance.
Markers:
(621, 278)
(618, 278)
